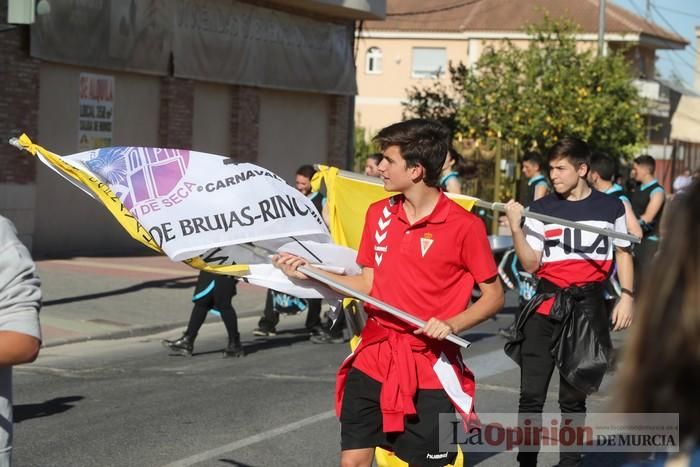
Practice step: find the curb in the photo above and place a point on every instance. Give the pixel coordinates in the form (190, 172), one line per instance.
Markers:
(137, 331)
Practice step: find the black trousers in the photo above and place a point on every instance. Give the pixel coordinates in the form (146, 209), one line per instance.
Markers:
(271, 318)
(535, 374)
(643, 256)
(213, 291)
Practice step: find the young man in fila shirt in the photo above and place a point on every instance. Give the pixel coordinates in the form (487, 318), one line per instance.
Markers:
(422, 253)
(565, 324)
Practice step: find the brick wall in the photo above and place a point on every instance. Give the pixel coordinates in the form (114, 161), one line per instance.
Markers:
(245, 121)
(19, 102)
(339, 127)
(176, 104)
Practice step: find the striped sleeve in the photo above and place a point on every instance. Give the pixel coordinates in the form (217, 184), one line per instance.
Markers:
(534, 233)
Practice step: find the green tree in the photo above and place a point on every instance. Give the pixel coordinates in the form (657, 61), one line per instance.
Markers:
(363, 148)
(530, 97)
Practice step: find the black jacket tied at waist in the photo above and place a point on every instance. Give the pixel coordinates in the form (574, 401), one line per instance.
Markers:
(581, 344)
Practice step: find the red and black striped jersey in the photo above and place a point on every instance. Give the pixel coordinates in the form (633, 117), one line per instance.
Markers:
(572, 256)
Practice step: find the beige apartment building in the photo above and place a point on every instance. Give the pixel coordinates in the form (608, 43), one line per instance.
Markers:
(418, 40)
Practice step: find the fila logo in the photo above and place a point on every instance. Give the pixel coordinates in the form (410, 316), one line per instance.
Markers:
(425, 242)
(562, 237)
(380, 235)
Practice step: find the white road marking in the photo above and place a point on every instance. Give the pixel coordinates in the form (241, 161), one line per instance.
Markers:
(226, 448)
(483, 366)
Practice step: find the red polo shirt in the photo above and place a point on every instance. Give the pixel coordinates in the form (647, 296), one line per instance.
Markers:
(427, 269)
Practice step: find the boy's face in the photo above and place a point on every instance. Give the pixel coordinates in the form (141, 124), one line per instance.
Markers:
(303, 184)
(592, 178)
(371, 168)
(394, 172)
(639, 171)
(565, 175)
(530, 169)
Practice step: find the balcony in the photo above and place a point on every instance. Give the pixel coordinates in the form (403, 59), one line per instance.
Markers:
(657, 95)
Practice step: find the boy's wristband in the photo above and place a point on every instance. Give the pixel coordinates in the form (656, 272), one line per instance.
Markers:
(628, 292)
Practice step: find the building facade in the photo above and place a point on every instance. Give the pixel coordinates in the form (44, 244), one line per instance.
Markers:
(266, 82)
(416, 43)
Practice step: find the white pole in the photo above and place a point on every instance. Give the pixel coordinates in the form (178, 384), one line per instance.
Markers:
(601, 28)
(407, 317)
(501, 208)
(377, 303)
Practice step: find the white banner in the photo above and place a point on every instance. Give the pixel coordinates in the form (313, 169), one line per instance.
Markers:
(194, 203)
(206, 210)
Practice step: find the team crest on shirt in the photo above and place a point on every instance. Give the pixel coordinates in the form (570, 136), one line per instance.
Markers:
(425, 243)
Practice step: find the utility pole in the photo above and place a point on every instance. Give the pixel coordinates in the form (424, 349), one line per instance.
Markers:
(601, 28)
(648, 11)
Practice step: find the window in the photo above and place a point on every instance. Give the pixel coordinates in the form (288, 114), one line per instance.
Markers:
(374, 61)
(428, 62)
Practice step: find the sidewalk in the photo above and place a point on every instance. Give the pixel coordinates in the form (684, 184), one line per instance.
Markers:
(109, 298)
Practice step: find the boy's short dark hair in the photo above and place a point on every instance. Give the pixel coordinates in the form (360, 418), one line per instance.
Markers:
(421, 142)
(647, 161)
(534, 158)
(604, 165)
(376, 157)
(574, 149)
(307, 171)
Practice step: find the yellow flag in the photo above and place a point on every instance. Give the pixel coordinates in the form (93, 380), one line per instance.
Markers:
(348, 198)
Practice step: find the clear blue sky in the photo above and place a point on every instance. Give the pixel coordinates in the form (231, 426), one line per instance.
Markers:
(680, 16)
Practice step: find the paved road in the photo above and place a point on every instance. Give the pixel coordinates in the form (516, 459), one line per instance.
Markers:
(125, 402)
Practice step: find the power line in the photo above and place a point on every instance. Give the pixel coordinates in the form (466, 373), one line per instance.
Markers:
(690, 46)
(673, 66)
(636, 10)
(678, 55)
(679, 12)
(663, 18)
(434, 10)
(670, 26)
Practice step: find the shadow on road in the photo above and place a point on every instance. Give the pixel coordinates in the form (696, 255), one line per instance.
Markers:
(476, 336)
(283, 339)
(234, 463)
(184, 282)
(45, 409)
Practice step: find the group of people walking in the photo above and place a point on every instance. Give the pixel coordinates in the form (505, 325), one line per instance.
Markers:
(423, 253)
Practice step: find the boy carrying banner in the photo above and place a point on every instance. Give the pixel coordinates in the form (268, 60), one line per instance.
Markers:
(566, 324)
(422, 253)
